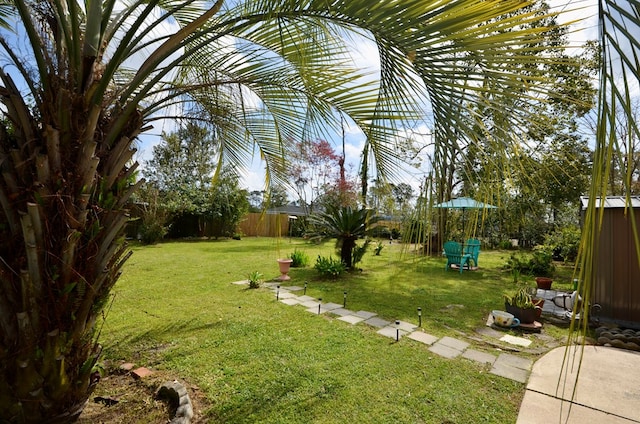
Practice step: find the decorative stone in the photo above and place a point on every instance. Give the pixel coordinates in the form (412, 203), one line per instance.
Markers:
(176, 394)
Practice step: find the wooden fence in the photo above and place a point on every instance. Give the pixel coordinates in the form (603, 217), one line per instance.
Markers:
(265, 225)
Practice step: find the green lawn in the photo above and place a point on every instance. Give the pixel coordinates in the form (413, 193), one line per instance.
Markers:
(259, 360)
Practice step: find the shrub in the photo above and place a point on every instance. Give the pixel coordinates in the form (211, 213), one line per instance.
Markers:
(152, 232)
(564, 243)
(329, 266)
(378, 248)
(299, 258)
(539, 263)
(255, 279)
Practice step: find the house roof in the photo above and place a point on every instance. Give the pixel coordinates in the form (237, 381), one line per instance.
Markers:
(292, 210)
(612, 202)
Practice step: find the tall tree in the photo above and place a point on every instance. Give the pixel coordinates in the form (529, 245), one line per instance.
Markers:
(89, 77)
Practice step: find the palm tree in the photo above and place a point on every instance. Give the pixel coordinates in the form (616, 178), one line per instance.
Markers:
(346, 225)
(256, 72)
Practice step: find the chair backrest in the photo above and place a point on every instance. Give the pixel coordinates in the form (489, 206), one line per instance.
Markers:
(452, 248)
(472, 247)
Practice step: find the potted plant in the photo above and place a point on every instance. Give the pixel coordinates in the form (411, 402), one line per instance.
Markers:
(521, 306)
(544, 283)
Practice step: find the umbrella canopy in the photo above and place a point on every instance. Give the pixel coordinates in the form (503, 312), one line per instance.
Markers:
(464, 203)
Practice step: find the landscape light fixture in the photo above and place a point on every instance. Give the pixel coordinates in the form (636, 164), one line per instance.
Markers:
(397, 331)
(319, 305)
(419, 317)
(344, 303)
(277, 292)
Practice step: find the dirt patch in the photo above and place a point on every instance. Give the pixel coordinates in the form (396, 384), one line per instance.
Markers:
(120, 399)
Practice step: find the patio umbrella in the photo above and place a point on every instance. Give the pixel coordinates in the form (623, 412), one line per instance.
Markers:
(464, 203)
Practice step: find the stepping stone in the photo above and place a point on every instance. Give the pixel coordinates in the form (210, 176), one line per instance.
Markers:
(331, 306)
(454, 343)
(294, 288)
(512, 373)
(241, 282)
(423, 337)
(287, 295)
(405, 326)
(477, 356)
(351, 319)
(518, 341)
(489, 332)
(515, 361)
(392, 331)
(290, 301)
(365, 314)
(375, 322)
(445, 351)
(310, 303)
(342, 312)
(314, 310)
(306, 298)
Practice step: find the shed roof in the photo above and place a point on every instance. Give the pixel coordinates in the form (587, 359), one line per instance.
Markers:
(612, 202)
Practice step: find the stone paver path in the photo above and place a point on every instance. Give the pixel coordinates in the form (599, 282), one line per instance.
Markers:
(505, 365)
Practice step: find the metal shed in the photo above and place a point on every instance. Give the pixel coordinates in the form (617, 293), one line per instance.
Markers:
(617, 273)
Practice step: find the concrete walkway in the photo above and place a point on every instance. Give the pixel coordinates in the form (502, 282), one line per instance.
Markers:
(607, 389)
(504, 364)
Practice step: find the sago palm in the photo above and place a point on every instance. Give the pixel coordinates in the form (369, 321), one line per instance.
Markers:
(81, 80)
(346, 225)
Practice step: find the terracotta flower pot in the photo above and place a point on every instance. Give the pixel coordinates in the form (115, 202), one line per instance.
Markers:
(285, 265)
(544, 283)
(539, 302)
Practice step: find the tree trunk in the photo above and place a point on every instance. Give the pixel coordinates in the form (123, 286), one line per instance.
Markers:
(63, 192)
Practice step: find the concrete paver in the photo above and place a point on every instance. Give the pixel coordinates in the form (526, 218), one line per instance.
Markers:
(507, 371)
(454, 343)
(365, 314)
(294, 288)
(331, 306)
(423, 337)
(392, 331)
(342, 312)
(305, 298)
(286, 295)
(310, 303)
(515, 361)
(290, 301)
(376, 322)
(445, 351)
(478, 356)
(351, 319)
(405, 326)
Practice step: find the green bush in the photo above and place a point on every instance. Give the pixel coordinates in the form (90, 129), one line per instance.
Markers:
(537, 264)
(564, 243)
(152, 232)
(329, 267)
(299, 258)
(378, 248)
